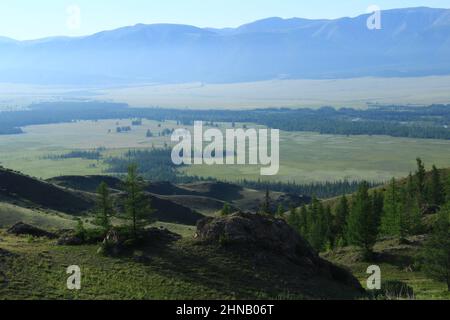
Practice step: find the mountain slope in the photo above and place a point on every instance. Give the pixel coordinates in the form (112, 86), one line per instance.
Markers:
(412, 42)
(26, 191)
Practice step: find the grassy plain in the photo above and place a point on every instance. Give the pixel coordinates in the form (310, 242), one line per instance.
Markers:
(304, 157)
(356, 92)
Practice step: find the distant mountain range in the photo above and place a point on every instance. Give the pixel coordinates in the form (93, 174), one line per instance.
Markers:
(412, 42)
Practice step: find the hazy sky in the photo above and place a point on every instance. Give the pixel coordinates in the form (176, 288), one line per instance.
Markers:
(27, 19)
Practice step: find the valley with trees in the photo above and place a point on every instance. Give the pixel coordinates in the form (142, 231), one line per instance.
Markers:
(93, 205)
(402, 225)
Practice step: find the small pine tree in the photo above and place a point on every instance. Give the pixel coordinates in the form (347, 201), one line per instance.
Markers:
(340, 220)
(80, 230)
(363, 221)
(280, 211)
(435, 256)
(436, 188)
(390, 221)
(293, 219)
(411, 188)
(226, 210)
(377, 211)
(411, 217)
(317, 227)
(105, 208)
(137, 205)
(303, 217)
(420, 182)
(328, 228)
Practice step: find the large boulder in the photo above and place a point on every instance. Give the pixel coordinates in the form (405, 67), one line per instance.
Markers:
(257, 230)
(265, 235)
(21, 228)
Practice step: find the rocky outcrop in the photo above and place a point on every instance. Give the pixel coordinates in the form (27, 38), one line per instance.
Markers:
(273, 236)
(21, 228)
(251, 229)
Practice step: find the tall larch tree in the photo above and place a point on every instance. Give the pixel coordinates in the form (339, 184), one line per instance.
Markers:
(363, 222)
(340, 220)
(137, 204)
(105, 209)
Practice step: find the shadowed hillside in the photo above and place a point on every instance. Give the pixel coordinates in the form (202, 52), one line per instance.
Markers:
(20, 189)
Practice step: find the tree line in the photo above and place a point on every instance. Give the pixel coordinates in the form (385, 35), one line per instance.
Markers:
(323, 190)
(397, 211)
(419, 122)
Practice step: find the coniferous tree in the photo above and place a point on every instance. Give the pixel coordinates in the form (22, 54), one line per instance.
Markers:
(435, 256)
(303, 218)
(226, 210)
(420, 182)
(137, 205)
(436, 188)
(377, 210)
(328, 228)
(318, 229)
(363, 222)
(293, 219)
(391, 220)
(411, 219)
(280, 211)
(411, 187)
(105, 208)
(340, 220)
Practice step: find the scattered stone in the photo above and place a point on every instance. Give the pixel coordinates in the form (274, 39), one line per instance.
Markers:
(69, 240)
(21, 228)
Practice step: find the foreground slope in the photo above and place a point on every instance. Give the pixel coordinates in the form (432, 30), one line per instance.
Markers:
(201, 268)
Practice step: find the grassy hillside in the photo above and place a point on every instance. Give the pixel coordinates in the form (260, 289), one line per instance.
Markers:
(186, 269)
(11, 214)
(397, 262)
(18, 188)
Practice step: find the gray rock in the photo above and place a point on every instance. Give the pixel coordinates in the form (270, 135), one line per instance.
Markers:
(263, 234)
(69, 240)
(252, 229)
(21, 228)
